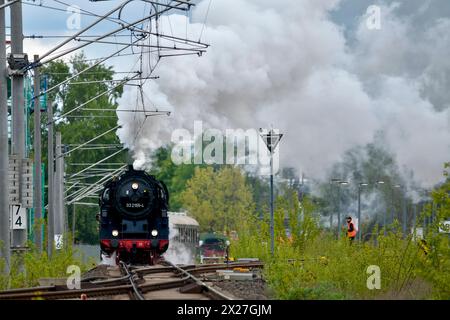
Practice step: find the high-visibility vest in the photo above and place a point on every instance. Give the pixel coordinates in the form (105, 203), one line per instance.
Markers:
(351, 234)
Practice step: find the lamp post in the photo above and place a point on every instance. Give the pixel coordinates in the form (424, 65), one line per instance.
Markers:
(360, 185)
(380, 182)
(402, 191)
(339, 183)
(271, 140)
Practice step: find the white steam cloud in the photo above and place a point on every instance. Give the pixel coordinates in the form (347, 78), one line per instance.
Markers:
(178, 252)
(288, 64)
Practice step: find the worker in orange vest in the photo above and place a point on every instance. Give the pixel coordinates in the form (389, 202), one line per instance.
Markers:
(351, 231)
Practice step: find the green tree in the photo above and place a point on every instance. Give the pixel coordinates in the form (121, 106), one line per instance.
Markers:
(174, 176)
(218, 199)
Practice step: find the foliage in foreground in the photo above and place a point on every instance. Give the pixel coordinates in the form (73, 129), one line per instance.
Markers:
(30, 266)
(311, 264)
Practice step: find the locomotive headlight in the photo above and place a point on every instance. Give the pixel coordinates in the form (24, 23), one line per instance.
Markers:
(134, 186)
(115, 233)
(154, 233)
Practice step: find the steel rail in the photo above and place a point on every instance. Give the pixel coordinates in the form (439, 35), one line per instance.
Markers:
(26, 290)
(93, 292)
(68, 294)
(136, 291)
(108, 288)
(201, 268)
(210, 291)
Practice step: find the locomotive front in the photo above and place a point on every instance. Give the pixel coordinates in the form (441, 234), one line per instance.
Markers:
(133, 217)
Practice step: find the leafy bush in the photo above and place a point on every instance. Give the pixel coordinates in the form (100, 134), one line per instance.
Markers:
(312, 264)
(28, 267)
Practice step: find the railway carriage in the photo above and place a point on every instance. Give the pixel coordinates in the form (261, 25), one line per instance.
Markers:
(184, 236)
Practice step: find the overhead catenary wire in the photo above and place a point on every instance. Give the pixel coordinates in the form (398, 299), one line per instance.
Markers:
(94, 188)
(92, 99)
(107, 81)
(101, 18)
(202, 50)
(206, 19)
(65, 10)
(100, 161)
(87, 142)
(81, 72)
(123, 27)
(160, 51)
(156, 112)
(103, 164)
(7, 4)
(100, 181)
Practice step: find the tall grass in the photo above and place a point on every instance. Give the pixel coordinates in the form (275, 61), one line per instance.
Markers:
(312, 264)
(27, 267)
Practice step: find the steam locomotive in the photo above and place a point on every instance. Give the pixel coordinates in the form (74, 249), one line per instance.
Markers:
(134, 224)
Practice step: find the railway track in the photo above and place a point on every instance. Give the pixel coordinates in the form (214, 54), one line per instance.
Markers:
(163, 281)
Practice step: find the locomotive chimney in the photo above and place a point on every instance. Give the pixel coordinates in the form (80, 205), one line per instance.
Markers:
(130, 160)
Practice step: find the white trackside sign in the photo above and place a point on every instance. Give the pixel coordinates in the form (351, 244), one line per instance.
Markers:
(58, 241)
(18, 217)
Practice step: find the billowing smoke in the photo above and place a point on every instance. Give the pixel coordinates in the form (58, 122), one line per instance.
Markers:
(178, 253)
(288, 64)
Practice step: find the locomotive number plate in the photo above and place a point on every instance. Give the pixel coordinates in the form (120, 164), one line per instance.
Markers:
(135, 205)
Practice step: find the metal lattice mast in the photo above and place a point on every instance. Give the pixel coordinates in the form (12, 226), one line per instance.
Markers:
(4, 149)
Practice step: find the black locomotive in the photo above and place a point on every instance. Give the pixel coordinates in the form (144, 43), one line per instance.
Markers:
(134, 223)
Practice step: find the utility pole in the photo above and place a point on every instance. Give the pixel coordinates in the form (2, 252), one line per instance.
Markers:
(18, 106)
(272, 222)
(59, 194)
(37, 160)
(4, 148)
(50, 188)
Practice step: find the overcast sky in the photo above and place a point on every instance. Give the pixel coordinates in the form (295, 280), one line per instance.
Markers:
(45, 21)
(311, 66)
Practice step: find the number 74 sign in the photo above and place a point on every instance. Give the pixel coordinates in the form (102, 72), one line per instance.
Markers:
(18, 217)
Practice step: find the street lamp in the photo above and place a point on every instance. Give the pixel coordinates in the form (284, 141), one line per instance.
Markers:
(271, 140)
(360, 185)
(339, 183)
(380, 182)
(399, 187)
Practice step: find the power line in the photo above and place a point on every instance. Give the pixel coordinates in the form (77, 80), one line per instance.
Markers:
(81, 72)
(94, 73)
(123, 27)
(65, 10)
(93, 139)
(206, 19)
(98, 162)
(33, 36)
(92, 99)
